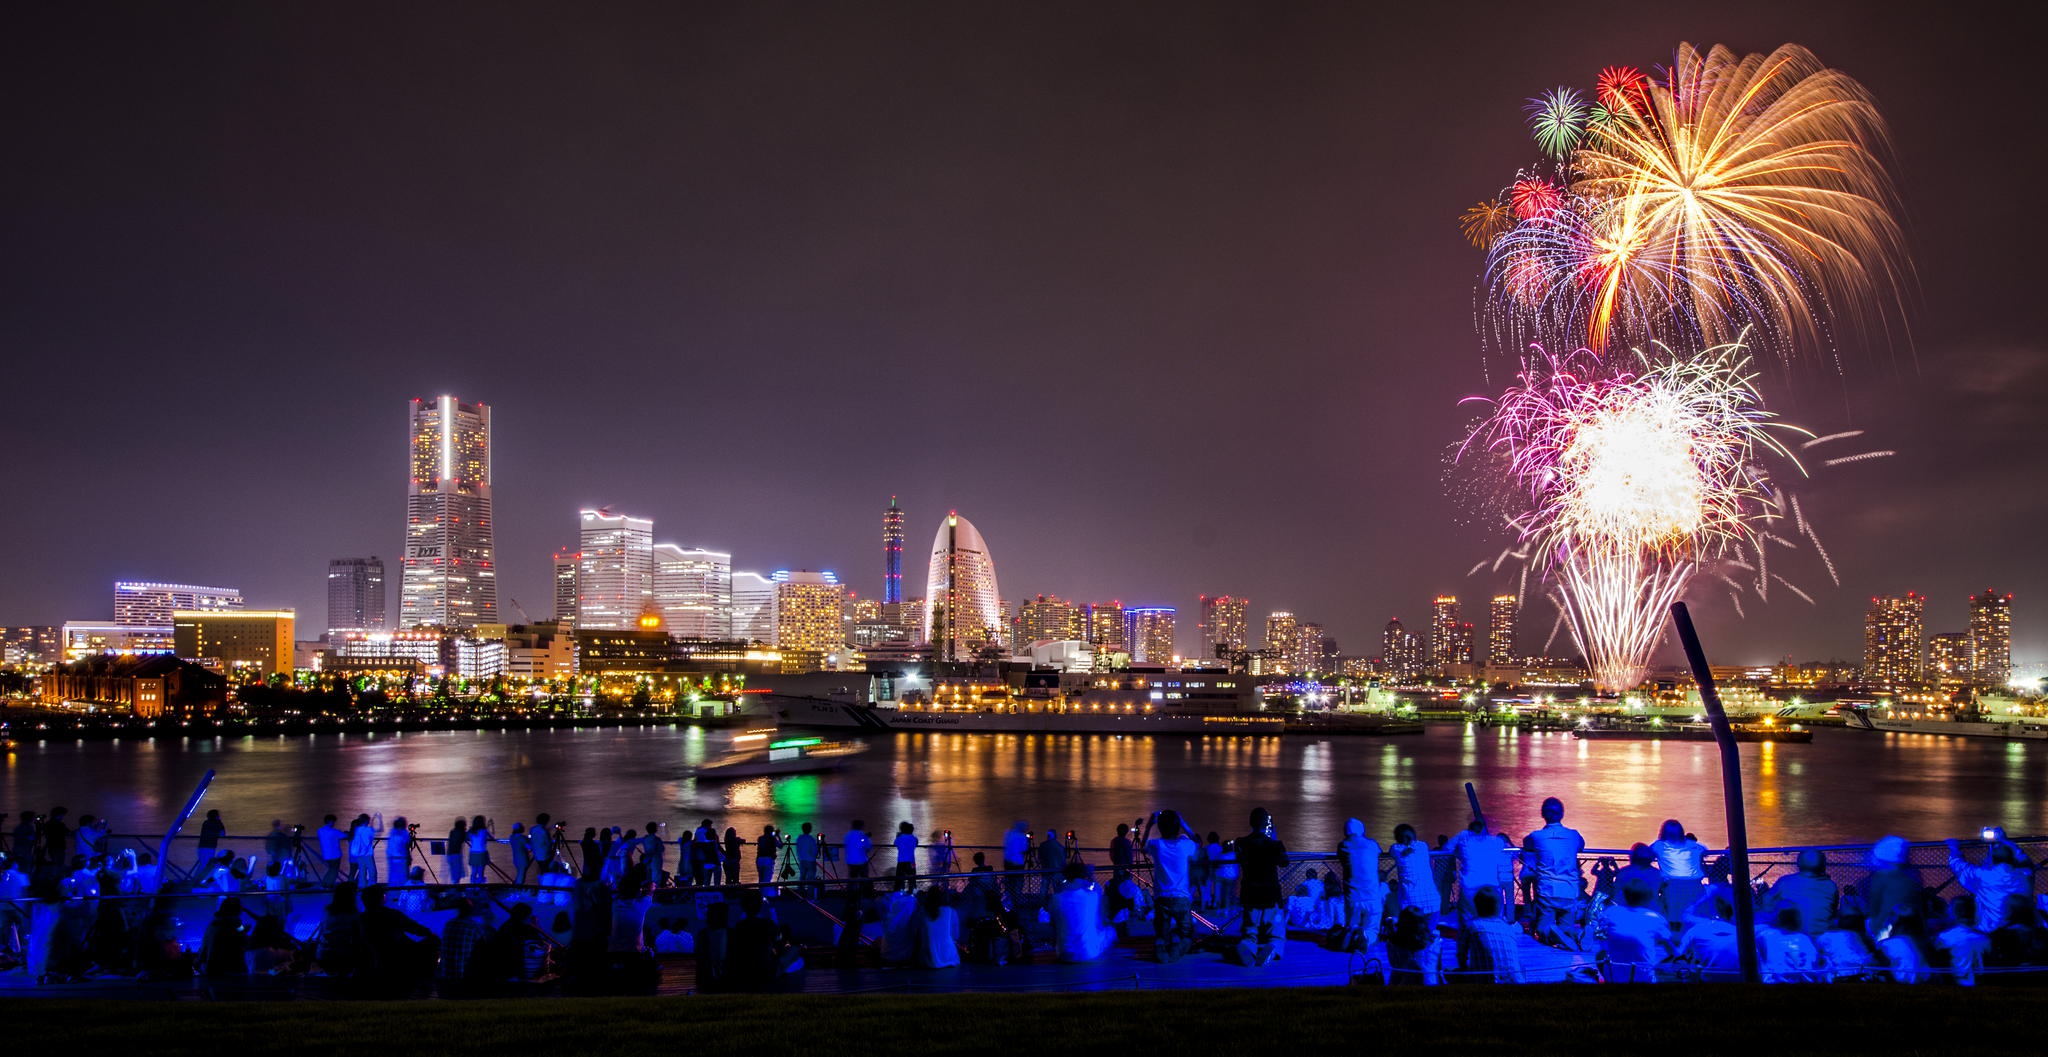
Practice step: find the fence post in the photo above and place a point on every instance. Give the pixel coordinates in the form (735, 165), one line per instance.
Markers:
(1731, 795)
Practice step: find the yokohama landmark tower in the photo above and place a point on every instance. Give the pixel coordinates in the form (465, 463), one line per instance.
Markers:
(450, 576)
(892, 554)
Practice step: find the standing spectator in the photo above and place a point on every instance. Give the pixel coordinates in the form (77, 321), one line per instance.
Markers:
(1481, 861)
(1552, 854)
(522, 852)
(1893, 888)
(906, 855)
(27, 836)
(480, 850)
(277, 845)
(766, 847)
(940, 852)
(1810, 892)
(540, 843)
(210, 833)
(857, 845)
(1016, 858)
(1414, 882)
(362, 849)
(807, 859)
(1992, 884)
(332, 843)
(593, 854)
(1172, 853)
(1683, 862)
(1222, 861)
(706, 849)
(734, 846)
(1260, 855)
(1121, 852)
(654, 855)
(1365, 900)
(1489, 946)
(398, 851)
(455, 849)
(1052, 858)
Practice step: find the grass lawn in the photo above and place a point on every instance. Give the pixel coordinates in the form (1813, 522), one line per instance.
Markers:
(1309, 1022)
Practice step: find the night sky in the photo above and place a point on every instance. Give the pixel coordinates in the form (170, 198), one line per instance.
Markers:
(1167, 299)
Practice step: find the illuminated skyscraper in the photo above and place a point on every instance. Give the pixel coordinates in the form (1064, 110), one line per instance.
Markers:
(450, 576)
(1400, 652)
(1306, 653)
(1892, 647)
(753, 608)
(615, 575)
(892, 555)
(1991, 638)
(809, 613)
(966, 609)
(355, 595)
(256, 642)
(1443, 629)
(567, 601)
(1223, 625)
(139, 603)
(693, 591)
(1949, 659)
(1465, 644)
(1047, 617)
(1282, 631)
(1149, 630)
(1106, 627)
(1500, 629)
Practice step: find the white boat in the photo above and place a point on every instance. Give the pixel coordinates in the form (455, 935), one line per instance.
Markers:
(759, 753)
(2006, 728)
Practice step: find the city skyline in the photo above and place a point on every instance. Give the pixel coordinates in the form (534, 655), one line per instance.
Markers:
(1256, 249)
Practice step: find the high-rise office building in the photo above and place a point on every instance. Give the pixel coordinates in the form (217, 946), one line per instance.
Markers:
(693, 591)
(256, 641)
(892, 554)
(1282, 632)
(1949, 659)
(809, 614)
(450, 575)
(1500, 629)
(1106, 627)
(355, 595)
(1223, 625)
(145, 604)
(1305, 654)
(615, 576)
(753, 608)
(1991, 638)
(1443, 629)
(34, 645)
(966, 606)
(1047, 617)
(568, 602)
(1892, 646)
(1149, 630)
(1465, 644)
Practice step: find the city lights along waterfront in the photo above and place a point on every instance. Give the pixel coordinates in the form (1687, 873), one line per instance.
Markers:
(1846, 786)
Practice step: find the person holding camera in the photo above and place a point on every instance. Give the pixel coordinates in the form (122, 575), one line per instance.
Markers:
(398, 850)
(1260, 855)
(1172, 853)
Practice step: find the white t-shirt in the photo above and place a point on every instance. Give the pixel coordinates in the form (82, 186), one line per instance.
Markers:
(906, 847)
(674, 943)
(1170, 866)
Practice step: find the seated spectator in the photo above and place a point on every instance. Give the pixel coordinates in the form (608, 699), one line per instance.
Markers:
(756, 959)
(1638, 936)
(1709, 943)
(1489, 948)
(1904, 950)
(338, 947)
(712, 944)
(1893, 888)
(898, 907)
(1786, 954)
(1810, 891)
(272, 952)
(1844, 949)
(461, 939)
(935, 931)
(2021, 941)
(675, 938)
(629, 912)
(1078, 932)
(401, 950)
(225, 948)
(1412, 949)
(1641, 869)
(1961, 945)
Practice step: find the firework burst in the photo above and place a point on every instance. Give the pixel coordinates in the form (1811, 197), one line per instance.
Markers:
(1485, 222)
(1635, 481)
(1557, 119)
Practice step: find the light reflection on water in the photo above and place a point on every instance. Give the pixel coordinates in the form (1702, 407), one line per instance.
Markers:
(1846, 786)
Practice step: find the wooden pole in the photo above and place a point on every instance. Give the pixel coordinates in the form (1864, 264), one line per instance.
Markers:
(1731, 795)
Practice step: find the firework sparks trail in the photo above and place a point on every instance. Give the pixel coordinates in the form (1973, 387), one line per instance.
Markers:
(1846, 459)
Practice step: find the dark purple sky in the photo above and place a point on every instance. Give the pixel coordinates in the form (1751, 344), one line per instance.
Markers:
(1167, 300)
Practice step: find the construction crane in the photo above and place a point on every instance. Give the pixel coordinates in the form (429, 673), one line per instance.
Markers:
(523, 618)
